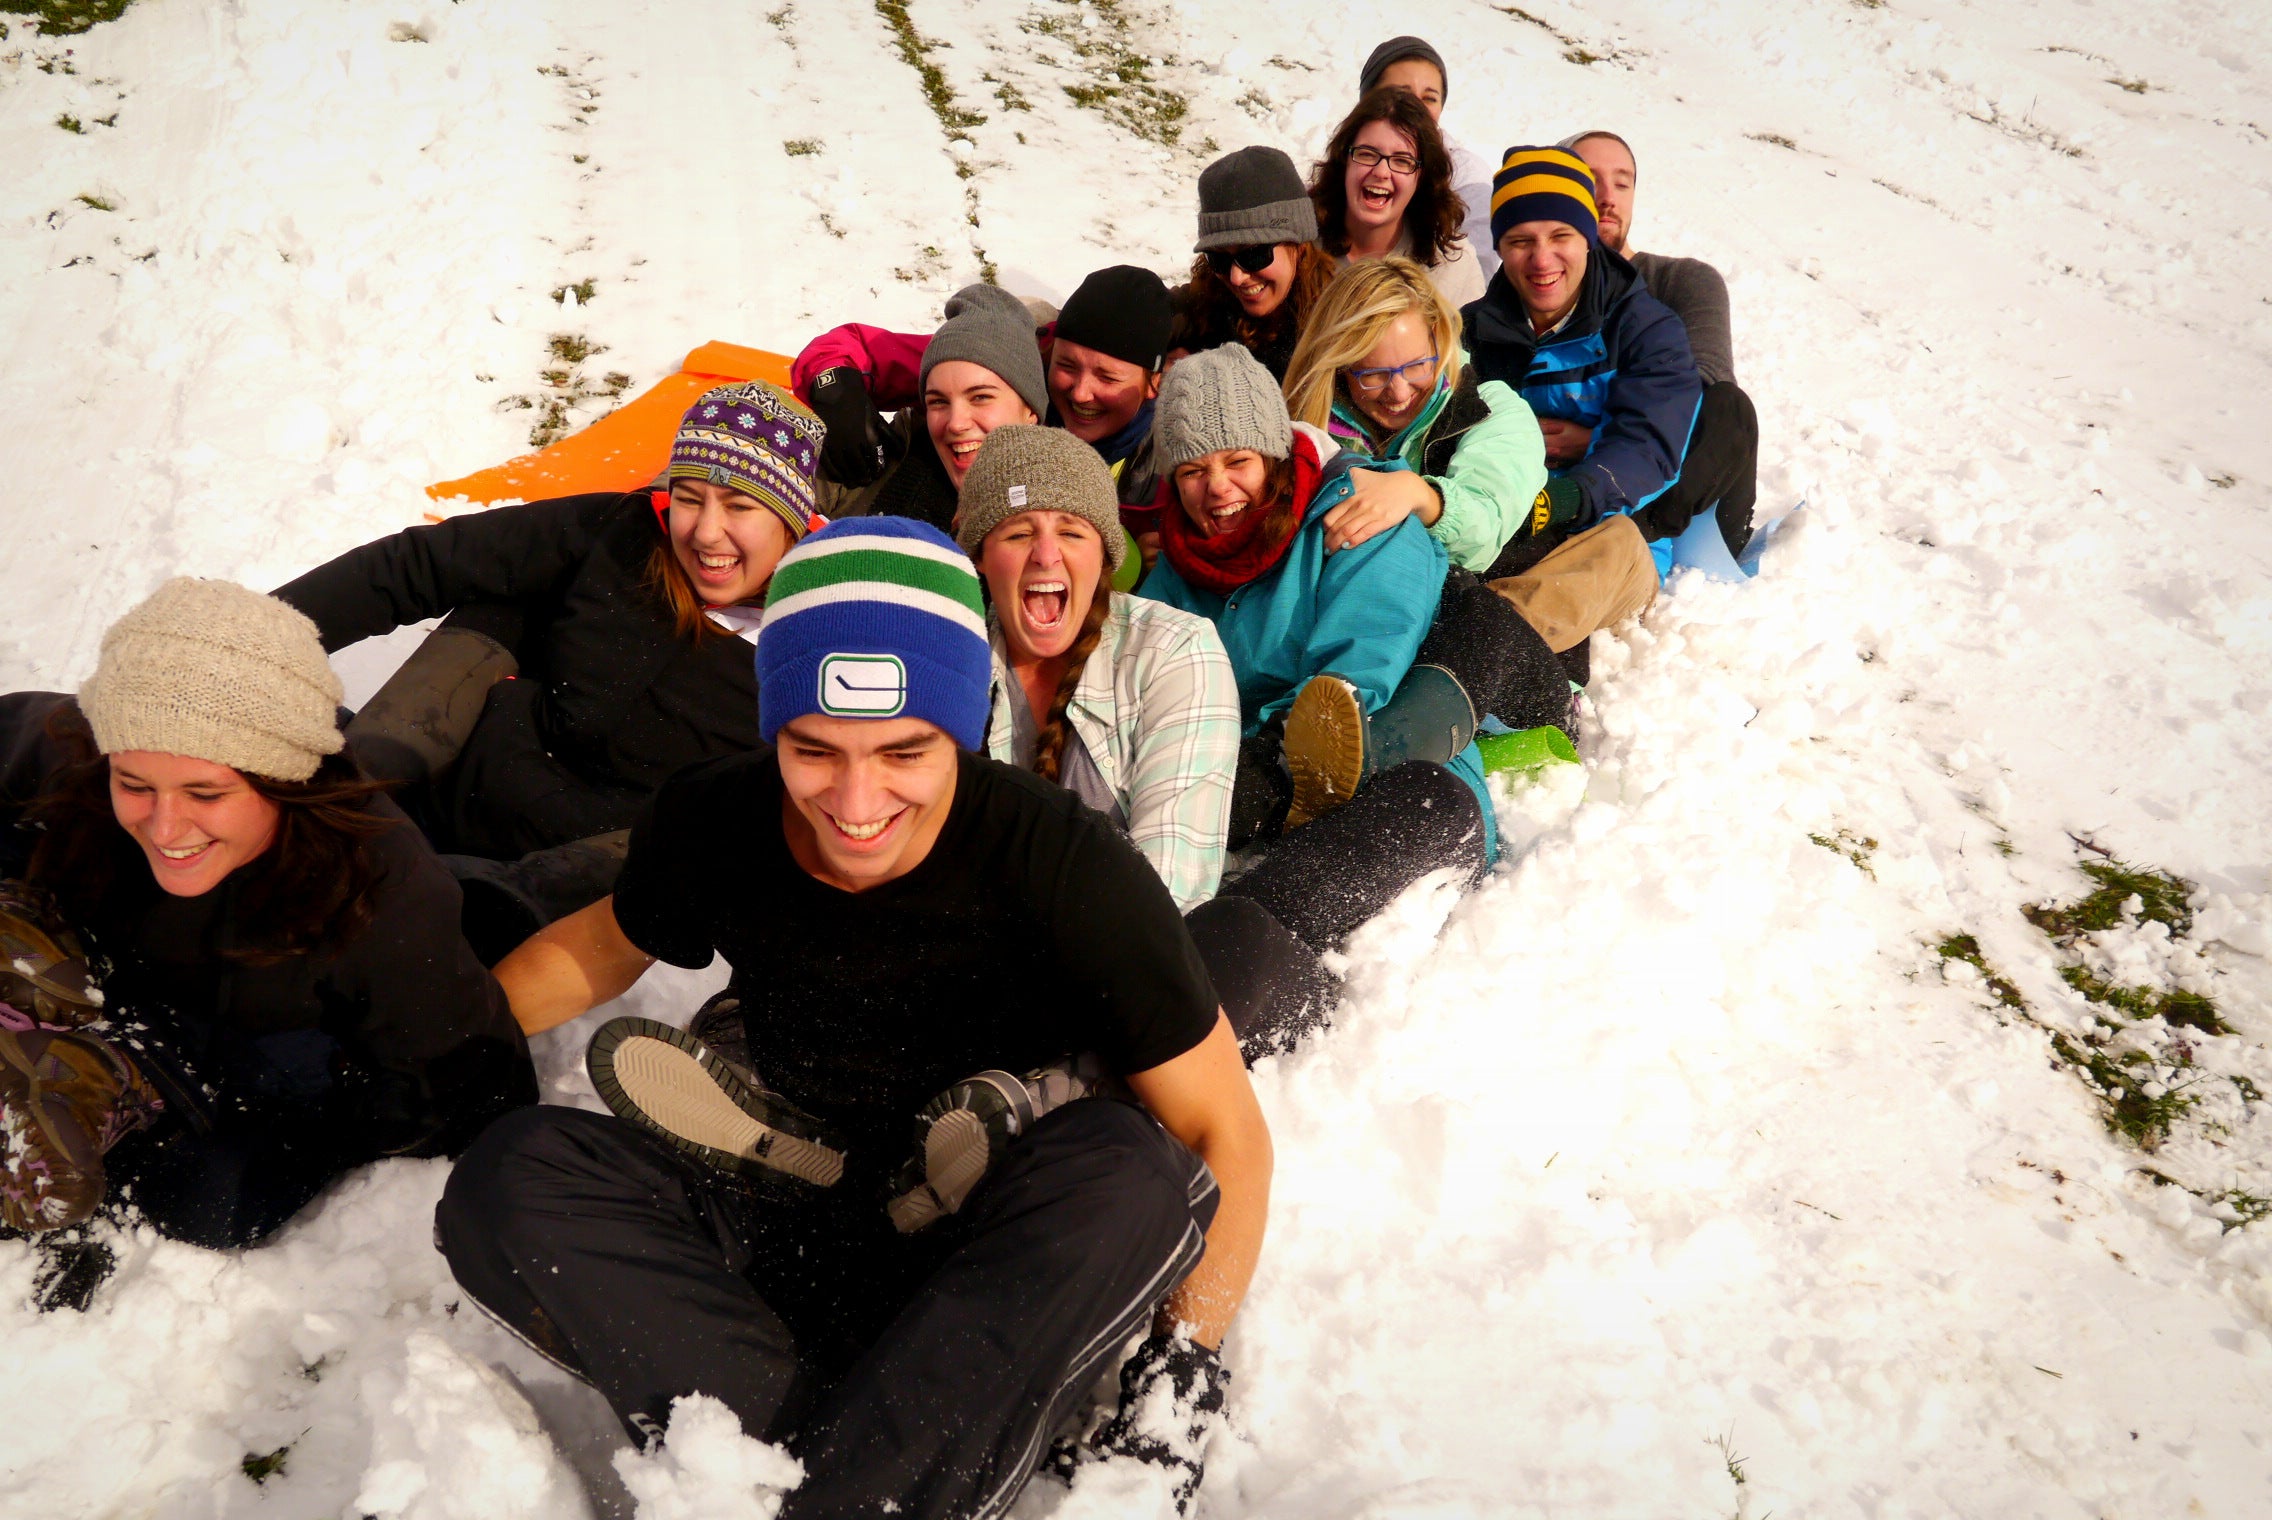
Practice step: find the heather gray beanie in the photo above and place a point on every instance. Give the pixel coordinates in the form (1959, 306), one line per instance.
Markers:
(1396, 50)
(1039, 469)
(215, 671)
(1251, 197)
(1220, 399)
(992, 329)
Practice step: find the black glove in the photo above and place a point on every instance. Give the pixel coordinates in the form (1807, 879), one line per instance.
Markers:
(1172, 1393)
(852, 453)
(1559, 503)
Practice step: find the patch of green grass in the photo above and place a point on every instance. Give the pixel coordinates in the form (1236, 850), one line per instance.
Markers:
(567, 390)
(96, 202)
(915, 51)
(573, 348)
(2252, 1208)
(1580, 56)
(263, 1466)
(2249, 1091)
(1012, 98)
(1773, 139)
(2130, 1111)
(2134, 86)
(1963, 947)
(65, 18)
(2189, 1010)
(70, 123)
(782, 17)
(2224, 480)
(2161, 899)
(801, 147)
(583, 290)
(1853, 847)
(1120, 86)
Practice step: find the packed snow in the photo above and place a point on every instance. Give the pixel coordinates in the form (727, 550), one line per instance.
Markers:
(1675, 1170)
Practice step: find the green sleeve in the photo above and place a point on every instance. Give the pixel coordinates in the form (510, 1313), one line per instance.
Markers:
(1496, 473)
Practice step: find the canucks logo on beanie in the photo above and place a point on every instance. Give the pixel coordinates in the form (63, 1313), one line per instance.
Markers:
(875, 617)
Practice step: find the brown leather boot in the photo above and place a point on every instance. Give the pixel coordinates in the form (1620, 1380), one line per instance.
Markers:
(65, 1099)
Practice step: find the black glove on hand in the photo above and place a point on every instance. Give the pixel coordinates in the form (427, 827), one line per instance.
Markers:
(1172, 1393)
(1559, 503)
(852, 453)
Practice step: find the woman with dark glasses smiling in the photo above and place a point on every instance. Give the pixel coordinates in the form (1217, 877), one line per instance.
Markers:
(1385, 187)
(1259, 270)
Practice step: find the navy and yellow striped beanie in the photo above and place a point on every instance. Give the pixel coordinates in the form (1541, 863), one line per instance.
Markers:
(875, 617)
(1543, 185)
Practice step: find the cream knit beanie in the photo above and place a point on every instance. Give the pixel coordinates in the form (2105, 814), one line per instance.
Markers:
(215, 671)
(1220, 399)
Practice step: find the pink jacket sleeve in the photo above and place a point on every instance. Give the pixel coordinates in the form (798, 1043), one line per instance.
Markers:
(891, 363)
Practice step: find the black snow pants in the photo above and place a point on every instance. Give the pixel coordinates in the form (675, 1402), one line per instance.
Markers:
(1721, 468)
(914, 1375)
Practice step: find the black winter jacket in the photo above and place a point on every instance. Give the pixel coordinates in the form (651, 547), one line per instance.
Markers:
(624, 700)
(395, 1042)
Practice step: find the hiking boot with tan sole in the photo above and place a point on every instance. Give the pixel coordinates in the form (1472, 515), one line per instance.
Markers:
(667, 1081)
(65, 1100)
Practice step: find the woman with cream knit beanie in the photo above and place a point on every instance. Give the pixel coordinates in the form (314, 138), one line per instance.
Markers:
(279, 990)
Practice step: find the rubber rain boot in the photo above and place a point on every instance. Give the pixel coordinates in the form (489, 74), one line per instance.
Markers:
(415, 726)
(506, 901)
(1333, 747)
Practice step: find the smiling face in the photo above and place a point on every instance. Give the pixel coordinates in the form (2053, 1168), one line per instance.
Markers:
(1096, 395)
(863, 799)
(1613, 187)
(1043, 570)
(1378, 195)
(1546, 263)
(726, 540)
(1261, 294)
(1418, 77)
(195, 820)
(1217, 491)
(962, 403)
(1405, 395)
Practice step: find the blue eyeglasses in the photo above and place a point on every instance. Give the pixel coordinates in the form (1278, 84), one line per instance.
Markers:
(1419, 374)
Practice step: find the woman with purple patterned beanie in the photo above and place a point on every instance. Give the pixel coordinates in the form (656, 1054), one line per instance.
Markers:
(590, 647)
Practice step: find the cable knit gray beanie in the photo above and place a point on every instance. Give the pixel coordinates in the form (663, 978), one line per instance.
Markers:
(1220, 399)
(1253, 196)
(992, 329)
(1039, 469)
(214, 671)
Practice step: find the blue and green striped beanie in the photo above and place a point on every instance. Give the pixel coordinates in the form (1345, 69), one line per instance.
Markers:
(875, 617)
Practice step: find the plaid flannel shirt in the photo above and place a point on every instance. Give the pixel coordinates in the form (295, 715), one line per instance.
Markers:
(1158, 711)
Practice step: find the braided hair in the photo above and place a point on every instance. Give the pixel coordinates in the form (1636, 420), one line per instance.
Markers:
(1049, 738)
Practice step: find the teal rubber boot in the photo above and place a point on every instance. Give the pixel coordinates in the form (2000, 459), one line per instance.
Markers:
(1333, 747)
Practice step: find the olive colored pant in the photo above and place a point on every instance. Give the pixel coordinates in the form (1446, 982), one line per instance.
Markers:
(1591, 580)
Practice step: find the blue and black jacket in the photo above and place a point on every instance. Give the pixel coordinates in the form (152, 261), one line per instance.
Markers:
(1620, 365)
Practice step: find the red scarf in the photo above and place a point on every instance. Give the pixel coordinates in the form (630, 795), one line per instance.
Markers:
(1223, 562)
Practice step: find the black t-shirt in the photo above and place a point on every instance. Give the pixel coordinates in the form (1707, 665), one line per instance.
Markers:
(1030, 931)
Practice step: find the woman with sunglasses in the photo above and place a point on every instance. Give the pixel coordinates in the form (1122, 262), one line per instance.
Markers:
(1385, 187)
(1260, 269)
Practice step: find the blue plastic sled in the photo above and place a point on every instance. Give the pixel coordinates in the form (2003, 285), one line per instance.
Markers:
(1701, 546)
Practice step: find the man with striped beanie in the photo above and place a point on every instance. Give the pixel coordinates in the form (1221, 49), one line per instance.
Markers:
(1606, 368)
(905, 920)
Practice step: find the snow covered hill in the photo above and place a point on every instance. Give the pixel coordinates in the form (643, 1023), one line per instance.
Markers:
(1734, 1150)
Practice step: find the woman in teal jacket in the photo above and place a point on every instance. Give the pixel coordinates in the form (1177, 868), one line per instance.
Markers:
(1244, 543)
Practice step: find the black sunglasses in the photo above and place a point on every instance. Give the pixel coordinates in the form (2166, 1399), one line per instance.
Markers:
(1253, 260)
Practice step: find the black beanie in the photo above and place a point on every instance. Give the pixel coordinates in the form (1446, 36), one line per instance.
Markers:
(1123, 312)
(1396, 50)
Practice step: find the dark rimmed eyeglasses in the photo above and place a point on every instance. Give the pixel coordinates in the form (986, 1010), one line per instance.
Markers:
(1419, 374)
(1398, 163)
(1253, 260)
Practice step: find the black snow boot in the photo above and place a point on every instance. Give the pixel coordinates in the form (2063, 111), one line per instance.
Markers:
(415, 726)
(506, 901)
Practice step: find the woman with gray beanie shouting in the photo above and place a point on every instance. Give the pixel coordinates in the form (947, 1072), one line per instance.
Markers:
(218, 932)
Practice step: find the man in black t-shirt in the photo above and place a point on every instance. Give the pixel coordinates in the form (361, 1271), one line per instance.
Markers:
(899, 915)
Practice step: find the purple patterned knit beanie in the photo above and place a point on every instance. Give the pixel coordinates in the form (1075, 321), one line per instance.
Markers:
(755, 438)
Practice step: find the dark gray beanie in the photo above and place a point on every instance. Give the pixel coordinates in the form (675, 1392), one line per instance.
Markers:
(1221, 398)
(1039, 469)
(1396, 50)
(1253, 196)
(992, 329)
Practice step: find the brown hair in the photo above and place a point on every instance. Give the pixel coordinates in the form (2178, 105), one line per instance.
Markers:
(311, 889)
(1049, 737)
(1433, 216)
(1211, 314)
(667, 577)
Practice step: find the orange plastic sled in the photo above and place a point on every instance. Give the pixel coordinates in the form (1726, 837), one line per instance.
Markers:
(629, 446)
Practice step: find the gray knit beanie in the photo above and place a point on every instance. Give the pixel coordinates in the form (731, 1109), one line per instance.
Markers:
(1396, 50)
(1039, 469)
(214, 671)
(1220, 399)
(993, 330)
(1253, 196)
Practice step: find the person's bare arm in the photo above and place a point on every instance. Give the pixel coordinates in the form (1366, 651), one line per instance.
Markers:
(1203, 1098)
(570, 967)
